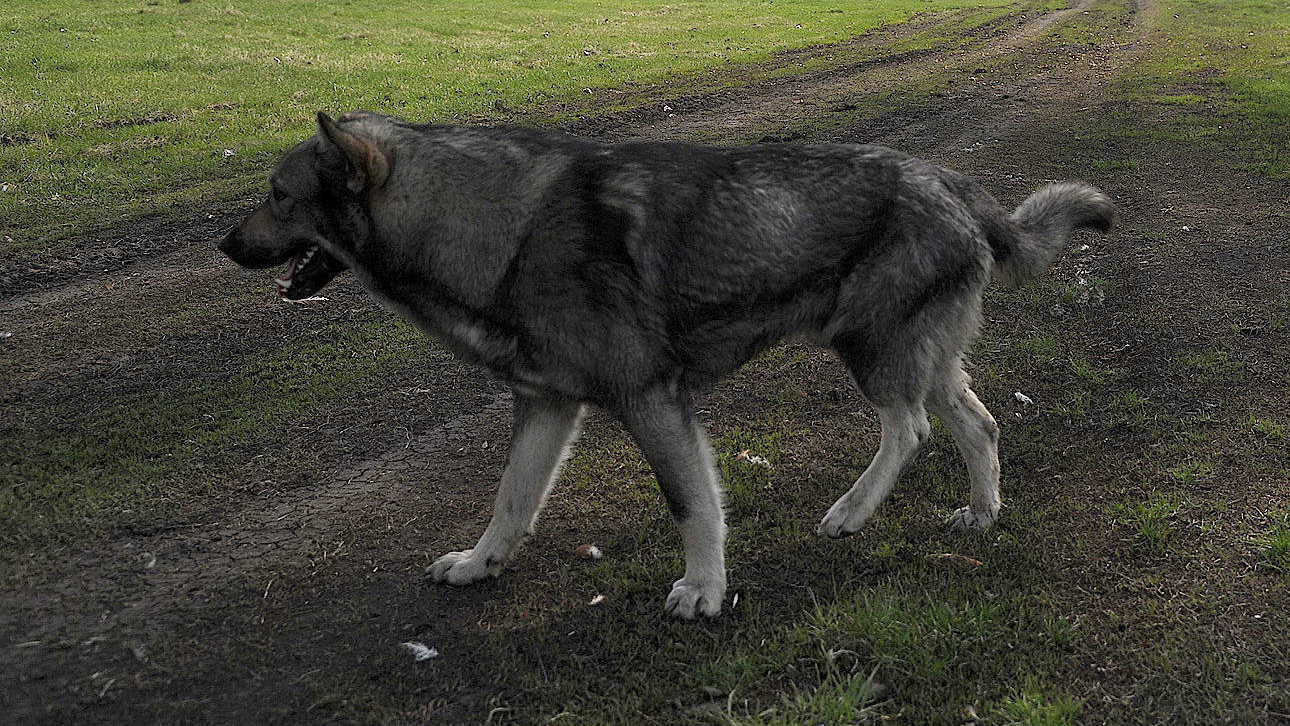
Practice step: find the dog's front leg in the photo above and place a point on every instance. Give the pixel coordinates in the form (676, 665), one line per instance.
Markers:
(542, 433)
(678, 450)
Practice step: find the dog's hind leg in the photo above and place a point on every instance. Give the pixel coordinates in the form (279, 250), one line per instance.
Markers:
(977, 436)
(904, 429)
(542, 434)
(679, 452)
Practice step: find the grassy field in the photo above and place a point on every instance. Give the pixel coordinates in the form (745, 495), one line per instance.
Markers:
(112, 110)
(1238, 47)
(1140, 574)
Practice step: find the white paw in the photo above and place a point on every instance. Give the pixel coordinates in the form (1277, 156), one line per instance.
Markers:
(842, 520)
(463, 568)
(689, 600)
(965, 519)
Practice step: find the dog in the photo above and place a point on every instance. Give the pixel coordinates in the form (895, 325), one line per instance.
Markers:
(634, 276)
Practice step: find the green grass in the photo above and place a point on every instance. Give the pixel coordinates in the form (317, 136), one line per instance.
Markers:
(842, 696)
(1032, 707)
(1213, 364)
(1181, 99)
(1151, 521)
(1218, 74)
(1191, 472)
(113, 110)
(1274, 546)
(1272, 430)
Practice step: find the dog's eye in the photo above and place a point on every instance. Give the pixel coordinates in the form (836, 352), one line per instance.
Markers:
(280, 202)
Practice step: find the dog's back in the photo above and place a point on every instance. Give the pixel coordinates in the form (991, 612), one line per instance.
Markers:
(623, 264)
(692, 259)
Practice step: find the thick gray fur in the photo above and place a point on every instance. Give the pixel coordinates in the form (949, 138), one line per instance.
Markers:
(634, 276)
(1046, 220)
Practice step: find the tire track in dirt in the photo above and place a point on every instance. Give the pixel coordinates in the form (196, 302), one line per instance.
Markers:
(796, 101)
(126, 592)
(161, 571)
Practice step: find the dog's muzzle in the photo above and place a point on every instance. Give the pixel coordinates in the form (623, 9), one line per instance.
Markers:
(229, 242)
(246, 253)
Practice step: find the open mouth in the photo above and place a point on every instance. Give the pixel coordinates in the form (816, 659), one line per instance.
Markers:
(298, 264)
(307, 273)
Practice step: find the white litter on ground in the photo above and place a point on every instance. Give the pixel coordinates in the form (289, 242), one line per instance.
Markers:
(420, 651)
(1024, 398)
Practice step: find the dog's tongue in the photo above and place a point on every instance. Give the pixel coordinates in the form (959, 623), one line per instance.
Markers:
(284, 282)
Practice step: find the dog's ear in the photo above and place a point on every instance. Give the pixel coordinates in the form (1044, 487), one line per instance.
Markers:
(370, 165)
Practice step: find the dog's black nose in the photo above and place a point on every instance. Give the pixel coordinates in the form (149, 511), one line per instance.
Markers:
(228, 242)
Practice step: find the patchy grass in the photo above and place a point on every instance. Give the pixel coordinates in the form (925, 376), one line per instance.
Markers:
(1151, 521)
(1274, 546)
(1116, 164)
(1272, 430)
(1192, 472)
(1213, 364)
(1033, 707)
(1279, 314)
(167, 440)
(1219, 76)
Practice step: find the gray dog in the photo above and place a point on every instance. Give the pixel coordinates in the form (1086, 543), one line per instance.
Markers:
(632, 276)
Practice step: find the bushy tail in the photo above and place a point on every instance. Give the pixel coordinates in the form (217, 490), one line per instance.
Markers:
(1042, 226)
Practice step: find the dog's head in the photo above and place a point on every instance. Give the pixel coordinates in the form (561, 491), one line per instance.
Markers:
(317, 210)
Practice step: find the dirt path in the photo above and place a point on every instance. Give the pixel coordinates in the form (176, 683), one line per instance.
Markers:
(797, 101)
(82, 633)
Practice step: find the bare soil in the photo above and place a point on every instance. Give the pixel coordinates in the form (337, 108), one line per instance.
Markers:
(311, 555)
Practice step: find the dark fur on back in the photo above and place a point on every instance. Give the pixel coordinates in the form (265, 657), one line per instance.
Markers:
(595, 270)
